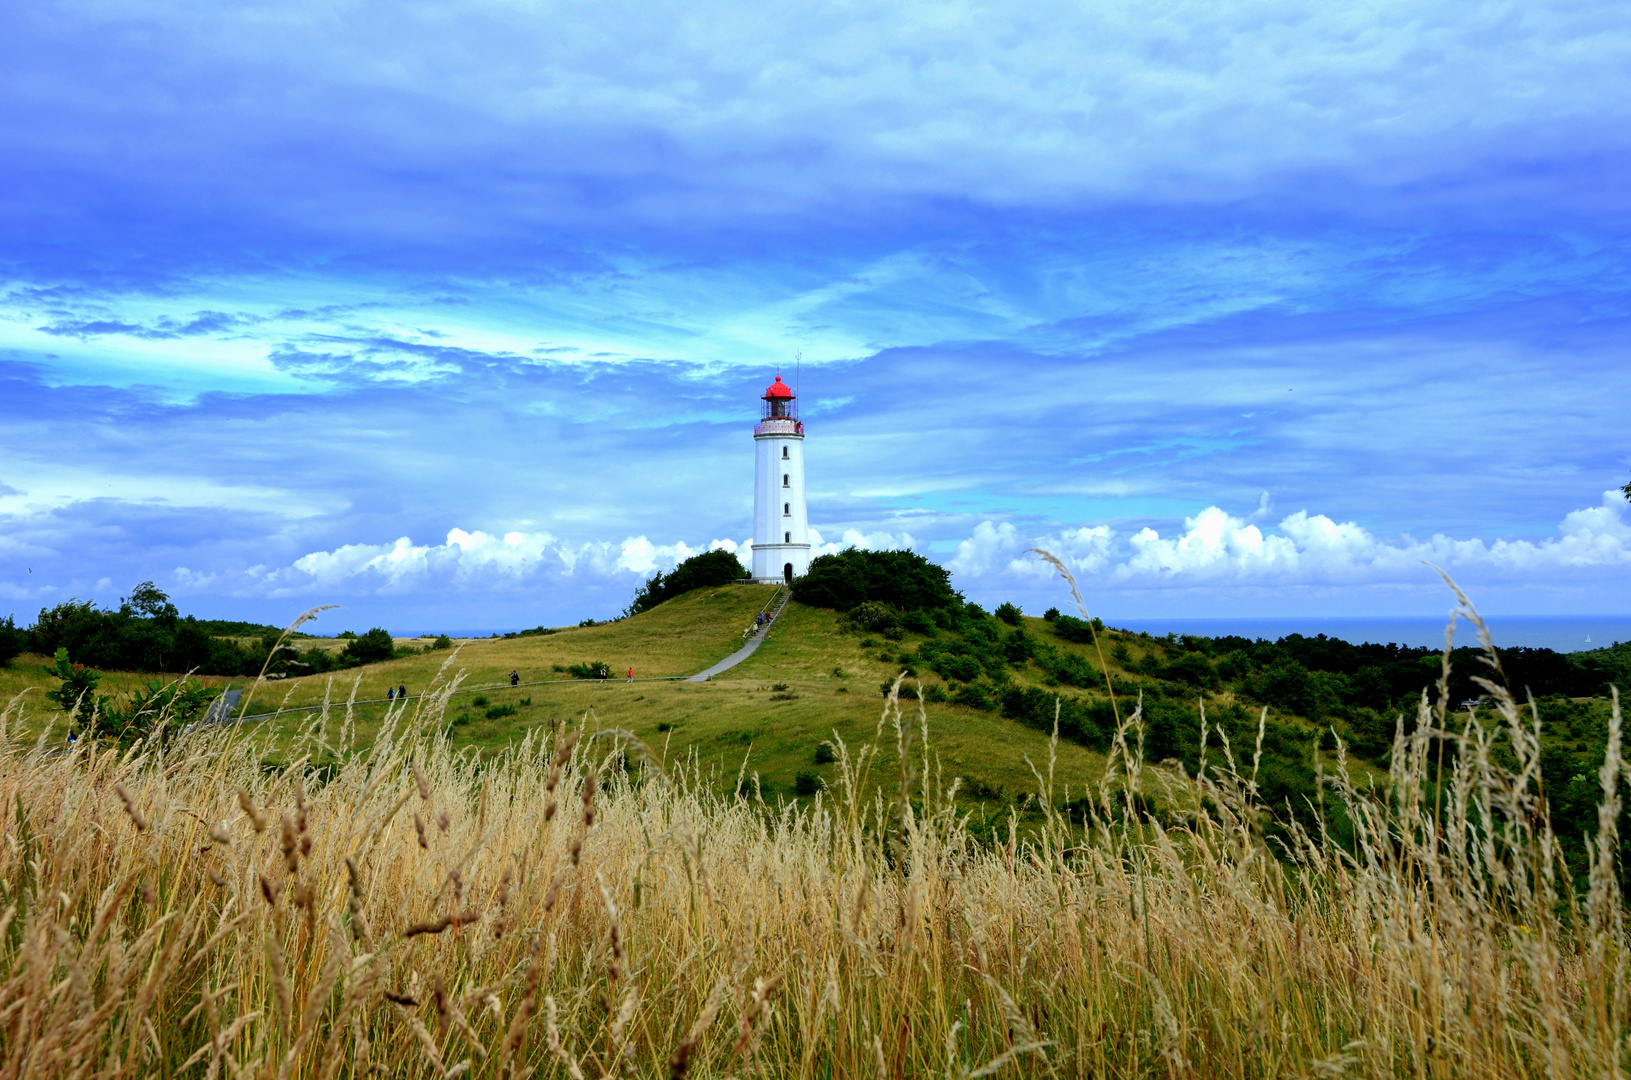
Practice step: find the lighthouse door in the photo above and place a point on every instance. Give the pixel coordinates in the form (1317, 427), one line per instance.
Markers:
(787, 572)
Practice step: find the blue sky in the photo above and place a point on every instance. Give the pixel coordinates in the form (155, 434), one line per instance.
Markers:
(455, 314)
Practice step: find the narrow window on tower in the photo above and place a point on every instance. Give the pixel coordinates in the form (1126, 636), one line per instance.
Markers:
(787, 509)
(784, 453)
(787, 538)
(784, 481)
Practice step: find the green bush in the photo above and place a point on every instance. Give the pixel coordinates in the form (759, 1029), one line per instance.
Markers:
(498, 712)
(698, 572)
(973, 696)
(806, 783)
(825, 754)
(76, 688)
(904, 580)
(587, 671)
(1070, 628)
(1008, 613)
(873, 615)
(479, 701)
(442, 642)
(370, 648)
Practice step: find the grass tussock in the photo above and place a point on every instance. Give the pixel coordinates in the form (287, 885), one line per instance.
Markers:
(570, 908)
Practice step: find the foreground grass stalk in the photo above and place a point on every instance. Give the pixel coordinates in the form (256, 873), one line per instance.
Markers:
(556, 911)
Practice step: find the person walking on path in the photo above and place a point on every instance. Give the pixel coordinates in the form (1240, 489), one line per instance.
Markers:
(515, 677)
(631, 674)
(390, 693)
(402, 693)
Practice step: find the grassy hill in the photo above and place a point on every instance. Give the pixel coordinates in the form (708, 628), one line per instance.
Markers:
(993, 688)
(809, 680)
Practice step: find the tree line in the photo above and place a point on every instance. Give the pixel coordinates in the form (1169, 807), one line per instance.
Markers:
(147, 633)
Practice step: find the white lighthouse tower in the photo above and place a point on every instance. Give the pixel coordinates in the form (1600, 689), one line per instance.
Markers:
(781, 542)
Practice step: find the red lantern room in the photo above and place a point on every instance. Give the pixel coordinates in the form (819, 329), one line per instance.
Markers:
(778, 401)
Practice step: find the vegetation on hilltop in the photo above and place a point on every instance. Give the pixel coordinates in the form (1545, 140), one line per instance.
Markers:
(718, 567)
(903, 580)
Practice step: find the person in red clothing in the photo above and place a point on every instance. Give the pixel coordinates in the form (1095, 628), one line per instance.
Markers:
(631, 674)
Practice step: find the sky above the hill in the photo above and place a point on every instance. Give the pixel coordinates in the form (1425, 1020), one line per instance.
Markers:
(456, 314)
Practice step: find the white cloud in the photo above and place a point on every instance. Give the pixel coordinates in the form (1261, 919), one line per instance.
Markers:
(1217, 548)
(873, 541)
(466, 558)
(1000, 548)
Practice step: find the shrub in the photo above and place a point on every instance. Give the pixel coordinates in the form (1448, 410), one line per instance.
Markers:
(872, 615)
(1194, 669)
(442, 642)
(825, 754)
(976, 788)
(587, 671)
(1008, 613)
(918, 622)
(698, 572)
(479, 701)
(959, 667)
(806, 783)
(1283, 684)
(498, 712)
(973, 696)
(904, 580)
(1070, 628)
(934, 692)
(1084, 723)
(1050, 614)
(76, 687)
(370, 648)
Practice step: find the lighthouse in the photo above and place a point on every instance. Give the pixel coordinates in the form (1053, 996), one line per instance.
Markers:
(781, 543)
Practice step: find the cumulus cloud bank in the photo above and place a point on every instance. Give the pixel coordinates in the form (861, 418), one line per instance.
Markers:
(1217, 548)
(484, 560)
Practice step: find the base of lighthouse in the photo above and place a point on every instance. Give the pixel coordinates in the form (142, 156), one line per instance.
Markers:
(773, 563)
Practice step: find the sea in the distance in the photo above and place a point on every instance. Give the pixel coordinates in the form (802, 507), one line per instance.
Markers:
(1563, 633)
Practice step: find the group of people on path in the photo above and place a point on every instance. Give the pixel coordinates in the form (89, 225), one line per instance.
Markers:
(400, 693)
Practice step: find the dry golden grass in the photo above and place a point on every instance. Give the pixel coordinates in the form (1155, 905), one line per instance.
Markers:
(568, 909)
